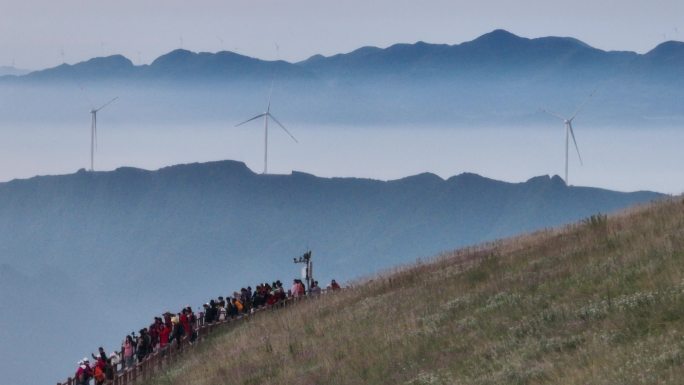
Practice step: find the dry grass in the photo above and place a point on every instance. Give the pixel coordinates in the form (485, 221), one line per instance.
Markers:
(599, 302)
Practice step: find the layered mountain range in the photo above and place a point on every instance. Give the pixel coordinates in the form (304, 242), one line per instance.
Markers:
(498, 77)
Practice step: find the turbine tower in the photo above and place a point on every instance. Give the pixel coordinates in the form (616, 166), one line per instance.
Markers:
(93, 132)
(266, 115)
(569, 132)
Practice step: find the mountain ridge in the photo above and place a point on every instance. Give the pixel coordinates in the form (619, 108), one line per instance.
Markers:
(495, 79)
(497, 43)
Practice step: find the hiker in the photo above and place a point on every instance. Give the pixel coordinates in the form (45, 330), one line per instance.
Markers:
(231, 309)
(334, 286)
(164, 334)
(99, 371)
(245, 296)
(192, 319)
(222, 311)
(100, 354)
(144, 345)
(185, 322)
(208, 314)
(113, 362)
(129, 352)
(273, 294)
(83, 373)
(178, 331)
(297, 289)
(153, 331)
(315, 289)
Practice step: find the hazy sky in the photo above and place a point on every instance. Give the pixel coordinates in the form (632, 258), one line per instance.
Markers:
(42, 33)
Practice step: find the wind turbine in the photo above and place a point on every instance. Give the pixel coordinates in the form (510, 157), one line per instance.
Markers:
(93, 132)
(569, 132)
(267, 115)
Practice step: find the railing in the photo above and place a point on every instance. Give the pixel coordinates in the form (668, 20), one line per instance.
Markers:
(165, 357)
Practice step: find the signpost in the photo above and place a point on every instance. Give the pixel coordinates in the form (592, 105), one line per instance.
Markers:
(307, 270)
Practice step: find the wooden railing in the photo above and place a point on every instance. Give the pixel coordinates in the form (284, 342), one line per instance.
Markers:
(163, 358)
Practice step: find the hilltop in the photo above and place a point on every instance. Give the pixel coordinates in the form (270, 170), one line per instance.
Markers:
(597, 302)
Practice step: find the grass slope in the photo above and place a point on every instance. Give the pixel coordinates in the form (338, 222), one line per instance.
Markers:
(598, 302)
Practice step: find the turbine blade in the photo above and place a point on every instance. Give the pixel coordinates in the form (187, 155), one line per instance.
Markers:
(572, 133)
(270, 93)
(106, 104)
(283, 127)
(584, 103)
(555, 115)
(249, 120)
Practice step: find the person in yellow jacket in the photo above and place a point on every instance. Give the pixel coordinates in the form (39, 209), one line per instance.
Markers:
(238, 305)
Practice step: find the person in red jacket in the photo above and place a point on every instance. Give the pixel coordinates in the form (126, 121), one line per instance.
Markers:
(185, 321)
(84, 373)
(153, 331)
(164, 333)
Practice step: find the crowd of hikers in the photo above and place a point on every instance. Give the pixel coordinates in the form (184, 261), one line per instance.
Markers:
(170, 330)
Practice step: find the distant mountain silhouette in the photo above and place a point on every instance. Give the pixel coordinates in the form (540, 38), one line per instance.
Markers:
(497, 78)
(179, 65)
(495, 51)
(101, 68)
(498, 49)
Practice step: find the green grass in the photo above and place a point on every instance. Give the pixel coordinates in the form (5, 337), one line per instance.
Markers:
(599, 302)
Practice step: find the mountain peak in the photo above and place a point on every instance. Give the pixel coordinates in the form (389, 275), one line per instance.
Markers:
(668, 49)
(498, 36)
(469, 178)
(546, 179)
(173, 56)
(118, 60)
(422, 179)
(98, 67)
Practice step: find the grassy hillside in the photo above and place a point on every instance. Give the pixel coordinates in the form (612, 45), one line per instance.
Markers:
(599, 302)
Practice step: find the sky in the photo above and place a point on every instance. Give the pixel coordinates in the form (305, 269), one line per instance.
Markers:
(36, 34)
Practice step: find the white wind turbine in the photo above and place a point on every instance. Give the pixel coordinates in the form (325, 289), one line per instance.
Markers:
(569, 132)
(93, 132)
(267, 115)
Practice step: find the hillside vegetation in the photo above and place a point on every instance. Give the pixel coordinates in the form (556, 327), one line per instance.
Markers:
(598, 302)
